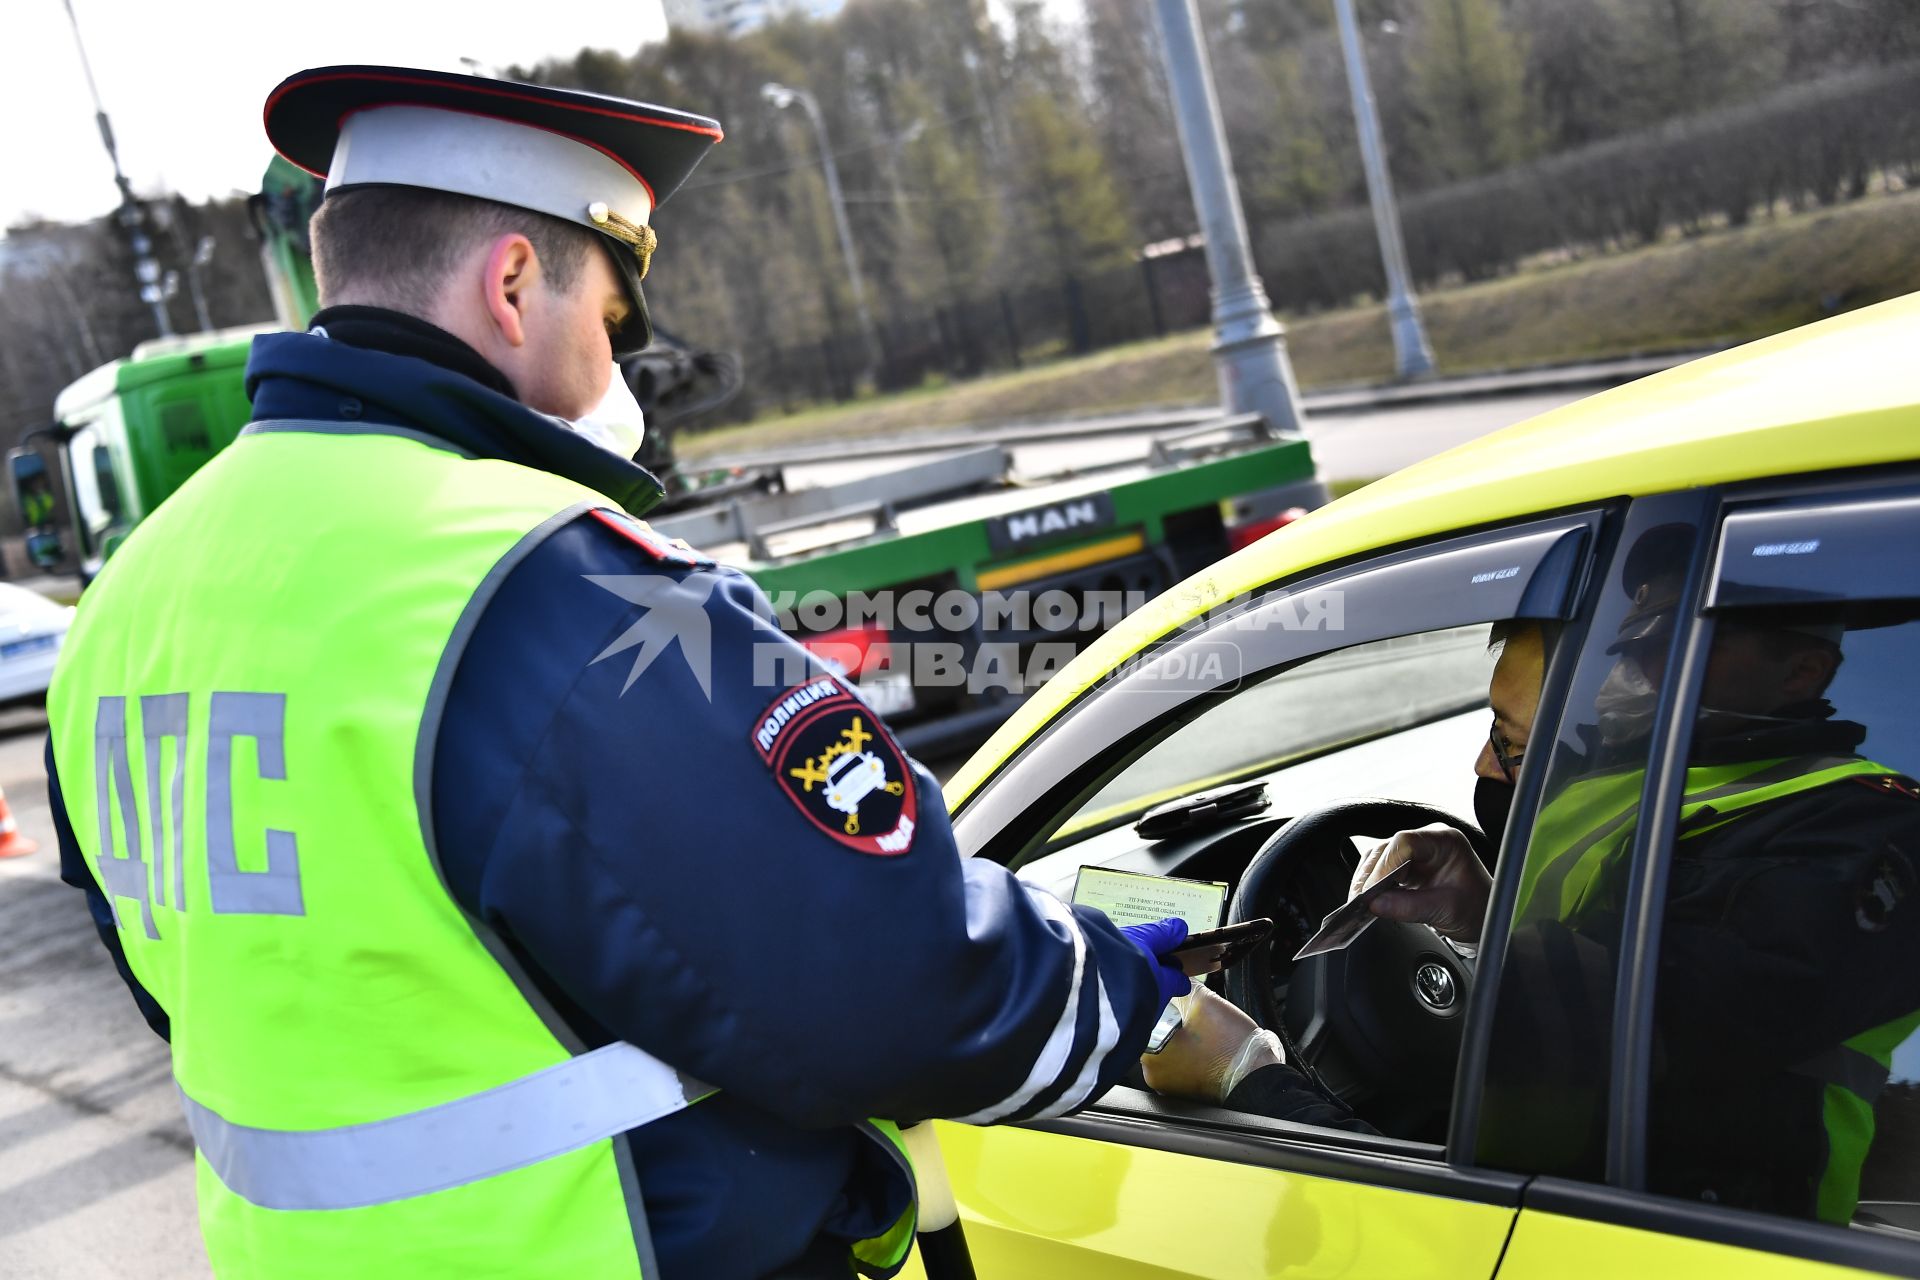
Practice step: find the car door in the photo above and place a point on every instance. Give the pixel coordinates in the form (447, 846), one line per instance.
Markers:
(1754, 1107)
(1140, 1185)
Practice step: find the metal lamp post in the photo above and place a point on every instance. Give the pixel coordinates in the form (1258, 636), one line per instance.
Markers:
(202, 255)
(1413, 358)
(781, 97)
(130, 214)
(1249, 345)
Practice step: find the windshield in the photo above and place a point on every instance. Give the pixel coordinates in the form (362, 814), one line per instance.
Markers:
(1328, 702)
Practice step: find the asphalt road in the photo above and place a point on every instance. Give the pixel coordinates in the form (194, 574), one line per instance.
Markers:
(96, 1172)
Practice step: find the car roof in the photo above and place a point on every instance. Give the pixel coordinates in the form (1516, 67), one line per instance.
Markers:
(1844, 392)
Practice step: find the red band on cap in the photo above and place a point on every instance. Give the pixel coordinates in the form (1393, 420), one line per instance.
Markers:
(685, 126)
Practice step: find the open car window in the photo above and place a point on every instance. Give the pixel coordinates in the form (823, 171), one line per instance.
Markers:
(1530, 571)
(1376, 722)
(1349, 712)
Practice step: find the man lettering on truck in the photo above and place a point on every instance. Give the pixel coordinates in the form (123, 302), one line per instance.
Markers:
(422, 795)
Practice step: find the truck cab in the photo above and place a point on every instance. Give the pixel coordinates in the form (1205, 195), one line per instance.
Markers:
(190, 389)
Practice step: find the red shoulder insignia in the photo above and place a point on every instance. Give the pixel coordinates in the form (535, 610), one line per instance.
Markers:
(671, 551)
(1892, 784)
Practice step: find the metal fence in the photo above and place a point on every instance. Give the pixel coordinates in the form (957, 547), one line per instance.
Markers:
(1807, 144)
(1005, 329)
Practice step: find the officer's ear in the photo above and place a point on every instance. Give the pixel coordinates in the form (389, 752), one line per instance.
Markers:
(511, 269)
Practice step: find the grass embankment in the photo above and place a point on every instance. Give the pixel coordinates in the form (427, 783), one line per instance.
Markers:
(1728, 286)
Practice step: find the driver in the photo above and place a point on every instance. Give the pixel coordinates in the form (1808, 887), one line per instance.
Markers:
(1220, 1055)
(1788, 967)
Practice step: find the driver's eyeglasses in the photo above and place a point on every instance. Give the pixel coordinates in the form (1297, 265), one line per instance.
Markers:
(1504, 753)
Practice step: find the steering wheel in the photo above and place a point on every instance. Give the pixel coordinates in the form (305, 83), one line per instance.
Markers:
(1379, 1021)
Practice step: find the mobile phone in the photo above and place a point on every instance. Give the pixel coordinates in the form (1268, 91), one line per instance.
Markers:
(1204, 953)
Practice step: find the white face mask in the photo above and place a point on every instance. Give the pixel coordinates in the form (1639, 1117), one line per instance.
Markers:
(1626, 703)
(1627, 699)
(616, 424)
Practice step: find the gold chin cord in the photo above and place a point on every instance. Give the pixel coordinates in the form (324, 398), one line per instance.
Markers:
(637, 235)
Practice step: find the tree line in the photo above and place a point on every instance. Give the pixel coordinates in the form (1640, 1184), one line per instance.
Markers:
(1004, 172)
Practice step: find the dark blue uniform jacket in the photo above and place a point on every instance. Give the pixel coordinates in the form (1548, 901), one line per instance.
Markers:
(646, 835)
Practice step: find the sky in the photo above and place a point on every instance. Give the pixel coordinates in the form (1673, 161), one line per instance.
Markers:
(184, 80)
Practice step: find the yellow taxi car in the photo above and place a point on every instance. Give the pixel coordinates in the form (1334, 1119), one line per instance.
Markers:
(1694, 1054)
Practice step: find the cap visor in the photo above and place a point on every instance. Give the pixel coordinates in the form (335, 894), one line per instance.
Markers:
(637, 333)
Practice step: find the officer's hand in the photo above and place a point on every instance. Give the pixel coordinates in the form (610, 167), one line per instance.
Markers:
(1216, 1049)
(1442, 883)
(1160, 940)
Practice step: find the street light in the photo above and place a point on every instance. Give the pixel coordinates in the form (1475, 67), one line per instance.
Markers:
(130, 214)
(1413, 358)
(1249, 345)
(202, 255)
(780, 97)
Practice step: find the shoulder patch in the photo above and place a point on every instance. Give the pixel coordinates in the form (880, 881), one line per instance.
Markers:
(839, 765)
(1891, 784)
(1888, 882)
(672, 551)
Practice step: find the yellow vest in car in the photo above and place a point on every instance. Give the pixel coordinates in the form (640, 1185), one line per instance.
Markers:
(1589, 829)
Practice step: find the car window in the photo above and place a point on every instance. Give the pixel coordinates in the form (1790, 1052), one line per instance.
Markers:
(1784, 1073)
(1347, 737)
(1345, 723)
(1544, 1103)
(1065, 773)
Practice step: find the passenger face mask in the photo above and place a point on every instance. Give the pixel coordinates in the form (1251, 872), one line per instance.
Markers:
(617, 423)
(1626, 703)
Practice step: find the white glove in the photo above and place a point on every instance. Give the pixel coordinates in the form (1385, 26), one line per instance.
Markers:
(1215, 1049)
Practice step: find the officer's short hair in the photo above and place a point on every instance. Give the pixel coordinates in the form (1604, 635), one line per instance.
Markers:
(397, 244)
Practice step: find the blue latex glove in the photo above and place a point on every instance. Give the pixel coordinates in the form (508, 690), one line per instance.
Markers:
(1159, 940)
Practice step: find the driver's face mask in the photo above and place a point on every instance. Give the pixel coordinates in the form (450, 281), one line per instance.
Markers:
(1492, 802)
(1625, 703)
(616, 424)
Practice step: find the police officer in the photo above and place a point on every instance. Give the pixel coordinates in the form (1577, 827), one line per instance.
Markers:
(517, 900)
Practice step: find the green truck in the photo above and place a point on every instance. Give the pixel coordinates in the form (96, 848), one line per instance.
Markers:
(947, 588)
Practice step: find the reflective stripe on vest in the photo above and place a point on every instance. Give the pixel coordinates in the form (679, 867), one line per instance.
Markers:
(563, 1108)
(1854, 1073)
(1605, 811)
(1564, 884)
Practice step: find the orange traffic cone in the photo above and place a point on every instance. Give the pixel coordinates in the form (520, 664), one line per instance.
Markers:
(12, 843)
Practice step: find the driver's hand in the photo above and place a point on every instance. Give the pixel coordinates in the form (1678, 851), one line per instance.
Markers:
(1216, 1049)
(1442, 883)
